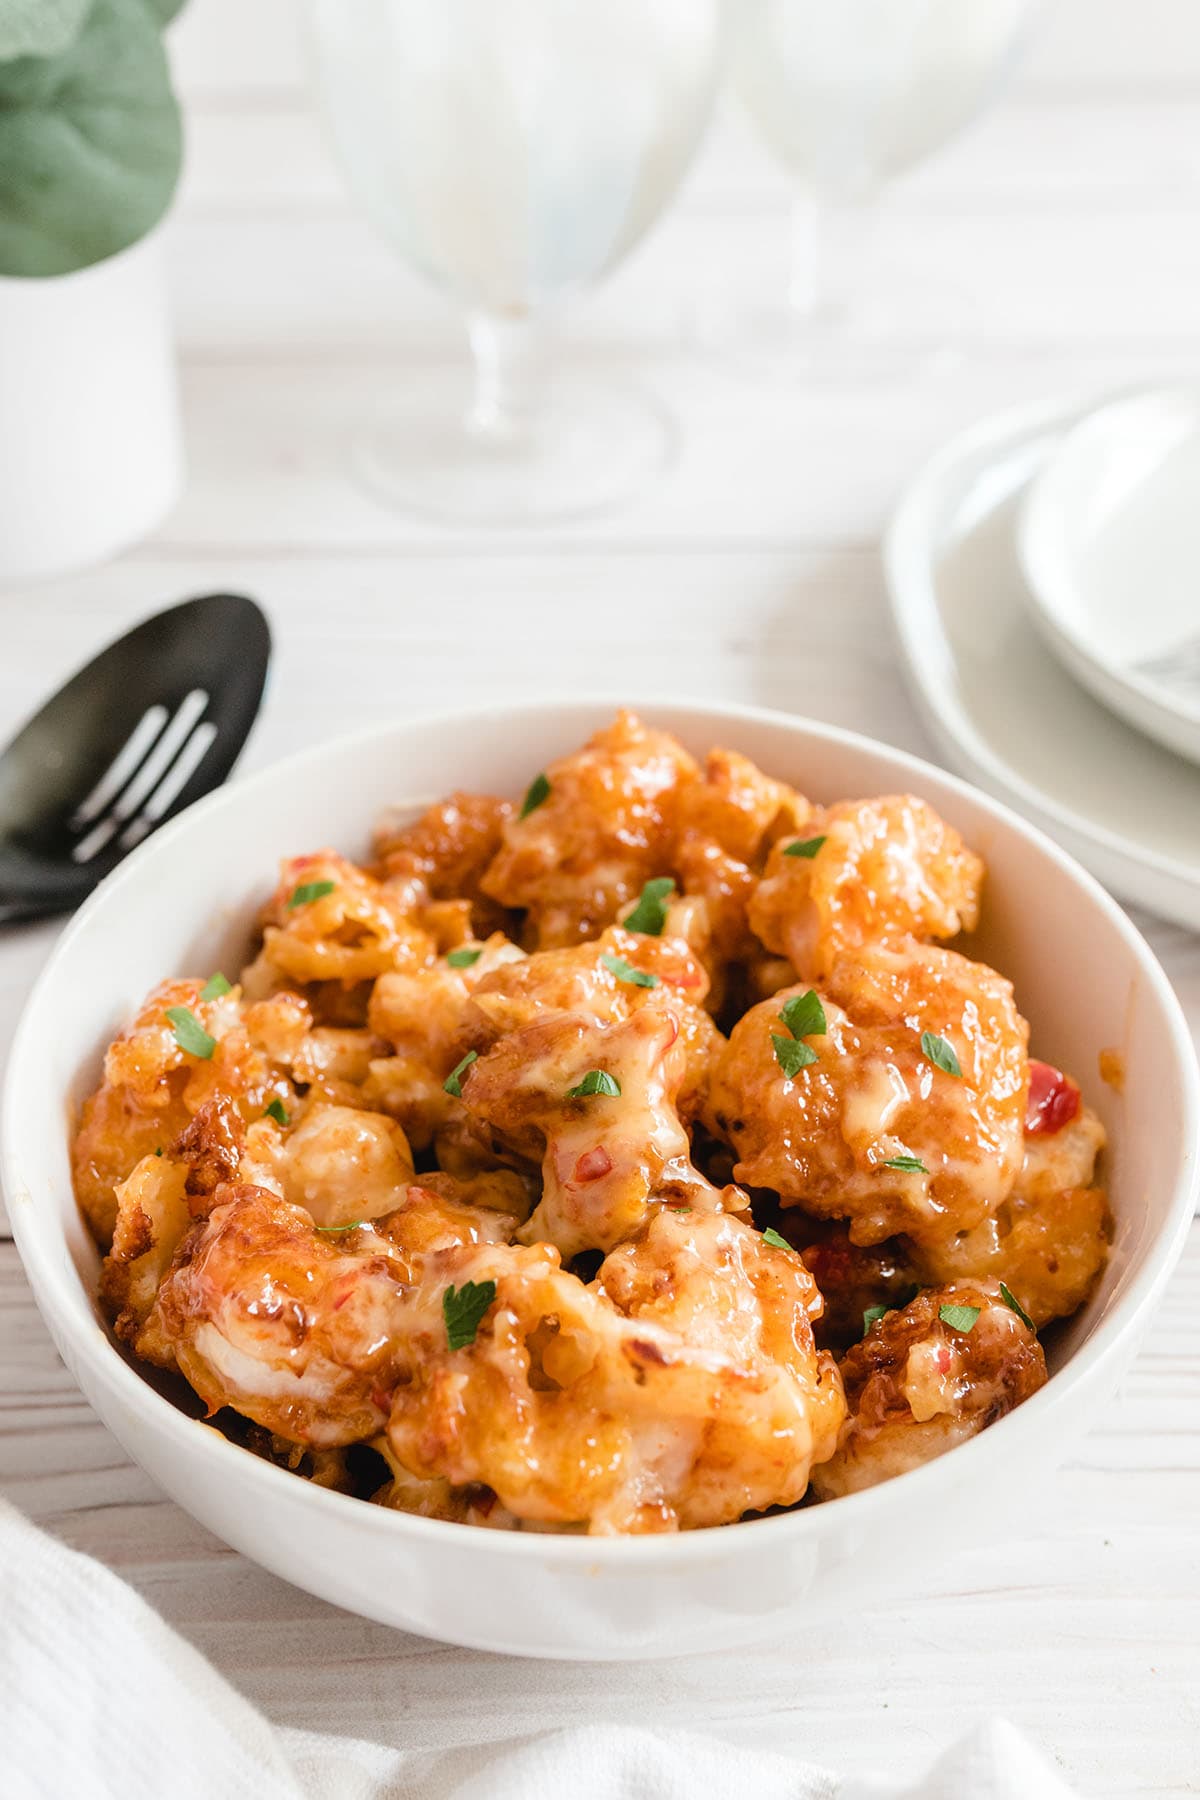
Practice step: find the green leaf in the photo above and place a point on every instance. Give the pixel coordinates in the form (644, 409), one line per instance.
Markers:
(39, 27)
(538, 792)
(336, 1230)
(806, 847)
(962, 1318)
(792, 1055)
(907, 1165)
(625, 971)
(771, 1236)
(1010, 1300)
(215, 986)
(90, 141)
(936, 1050)
(277, 1111)
(804, 1015)
(463, 1308)
(308, 891)
(871, 1315)
(650, 914)
(596, 1081)
(190, 1034)
(463, 959)
(453, 1082)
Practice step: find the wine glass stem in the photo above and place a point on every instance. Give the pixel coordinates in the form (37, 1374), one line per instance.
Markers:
(510, 378)
(829, 237)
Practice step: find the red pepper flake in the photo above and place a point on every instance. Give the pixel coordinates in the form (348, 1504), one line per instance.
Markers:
(943, 1359)
(833, 1264)
(381, 1398)
(1053, 1100)
(593, 1164)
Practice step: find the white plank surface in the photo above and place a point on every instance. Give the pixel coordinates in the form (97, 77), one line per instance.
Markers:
(1063, 230)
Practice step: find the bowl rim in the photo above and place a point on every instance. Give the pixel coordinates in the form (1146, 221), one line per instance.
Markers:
(51, 1278)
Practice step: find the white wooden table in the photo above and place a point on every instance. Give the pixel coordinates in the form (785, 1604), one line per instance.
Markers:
(1072, 214)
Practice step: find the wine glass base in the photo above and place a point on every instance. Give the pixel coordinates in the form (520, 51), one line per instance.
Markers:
(877, 340)
(596, 447)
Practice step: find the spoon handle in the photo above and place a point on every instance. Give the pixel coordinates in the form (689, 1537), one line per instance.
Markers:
(20, 912)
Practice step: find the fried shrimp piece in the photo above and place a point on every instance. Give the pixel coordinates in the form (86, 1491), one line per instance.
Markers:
(606, 826)
(438, 1213)
(333, 1063)
(1049, 1240)
(919, 1383)
(421, 1018)
(330, 921)
(305, 1333)
(596, 1103)
(341, 1163)
(682, 1389)
(153, 1085)
(870, 870)
(152, 1216)
(877, 1129)
(442, 855)
(727, 823)
(436, 1499)
(608, 979)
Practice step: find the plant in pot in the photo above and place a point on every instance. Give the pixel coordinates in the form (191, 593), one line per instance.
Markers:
(90, 149)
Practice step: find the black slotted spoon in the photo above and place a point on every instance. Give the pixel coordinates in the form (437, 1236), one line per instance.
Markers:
(152, 723)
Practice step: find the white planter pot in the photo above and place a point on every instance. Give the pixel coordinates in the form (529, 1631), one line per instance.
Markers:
(90, 453)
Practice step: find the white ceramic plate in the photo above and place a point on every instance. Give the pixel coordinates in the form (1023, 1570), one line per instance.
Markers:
(186, 901)
(1002, 708)
(1109, 544)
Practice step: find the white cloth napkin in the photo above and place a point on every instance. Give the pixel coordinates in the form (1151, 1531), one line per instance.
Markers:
(100, 1700)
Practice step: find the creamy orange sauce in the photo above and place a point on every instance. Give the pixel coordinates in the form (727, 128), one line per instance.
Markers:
(480, 1193)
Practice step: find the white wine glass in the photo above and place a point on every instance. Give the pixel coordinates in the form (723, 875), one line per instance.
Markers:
(848, 94)
(514, 151)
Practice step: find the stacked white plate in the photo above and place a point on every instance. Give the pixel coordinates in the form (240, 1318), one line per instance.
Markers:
(1044, 572)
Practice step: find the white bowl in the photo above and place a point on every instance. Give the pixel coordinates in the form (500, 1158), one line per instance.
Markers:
(1109, 542)
(183, 902)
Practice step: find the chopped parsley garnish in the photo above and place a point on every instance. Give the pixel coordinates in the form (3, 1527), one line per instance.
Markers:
(936, 1050)
(804, 1015)
(190, 1034)
(158, 1152)
(596, 1081)
(215, 986)
(962, 1318)
(453, 1081)
(792, 1054)
(309, 890)
(463, 1308)
(537, 792)
(771, 1236)
(871, 1314)
(806, 847)
(277, 1111)
(625, 971)
(463, 959)
(1010, 1299)
(650, 914)
(334, 1230)
(907, 1165)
